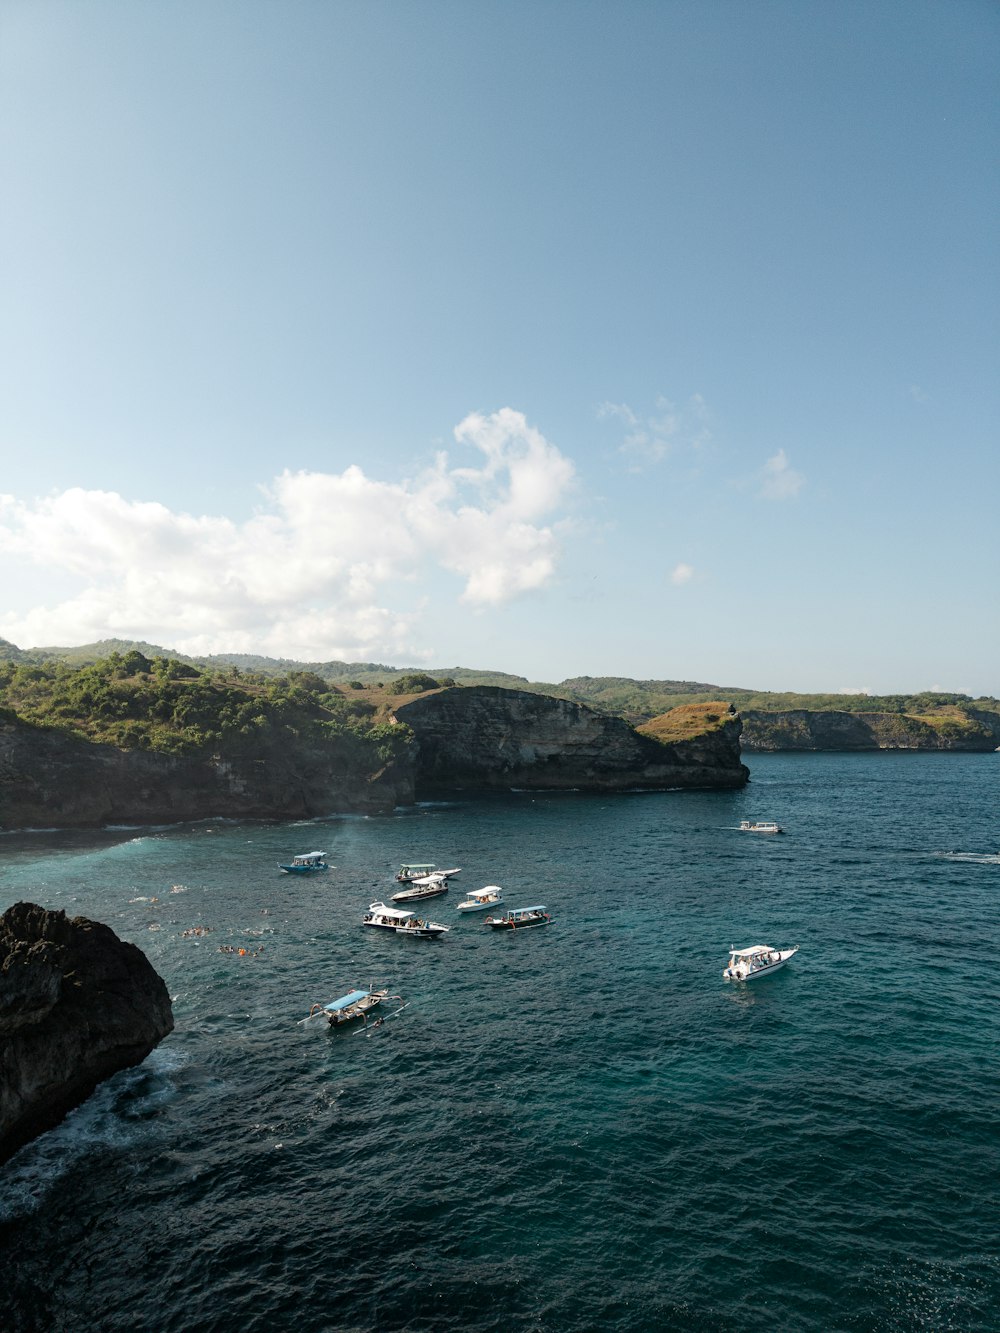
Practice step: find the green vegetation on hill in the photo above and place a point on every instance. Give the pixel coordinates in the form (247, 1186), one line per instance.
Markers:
(173, 707)
(638, 701)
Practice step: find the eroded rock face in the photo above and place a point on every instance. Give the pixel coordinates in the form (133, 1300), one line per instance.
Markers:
(803, 729)
(48, 779)
(488, 738)
(76, 1005)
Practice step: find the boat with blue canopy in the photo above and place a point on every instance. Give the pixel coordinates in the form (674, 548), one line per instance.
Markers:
(346, 1008)
(306, 863)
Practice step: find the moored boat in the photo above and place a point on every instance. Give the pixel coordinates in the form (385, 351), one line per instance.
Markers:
(413, 870)
(760, 826)
(404, 923)
(345, 1009)
(427, 887)
(760, 960)
(478, 900)
(307, 863)
(519, 917)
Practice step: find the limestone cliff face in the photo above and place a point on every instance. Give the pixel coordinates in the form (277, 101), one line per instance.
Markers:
(76, 1005)
(48, 779)
(489, 738)
(802, 729)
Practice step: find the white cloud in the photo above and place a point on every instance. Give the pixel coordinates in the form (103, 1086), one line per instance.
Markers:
(306, 575)
(780, 482)
(651, 438)
(682, 574)
(847, 689)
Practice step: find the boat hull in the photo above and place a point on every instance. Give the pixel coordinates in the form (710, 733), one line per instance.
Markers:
(519, 925)
(428, 932)
(415, 895)
(739, 974)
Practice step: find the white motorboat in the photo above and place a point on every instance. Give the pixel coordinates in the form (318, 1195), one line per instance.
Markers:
(760, 826)
(519, 917)
(478, 900)
(410, 871)
(429, 886)
(404, 923)
(760, 960)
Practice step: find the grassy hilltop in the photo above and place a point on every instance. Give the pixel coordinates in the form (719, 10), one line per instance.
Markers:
(233, 693)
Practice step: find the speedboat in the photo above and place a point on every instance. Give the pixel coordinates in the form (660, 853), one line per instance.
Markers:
(477, 900)
(760, 826)
(760, 960)
(519, 917)
(305, 864)
(355, 1004)
(414, 870)
(404, 923)
(428, 886)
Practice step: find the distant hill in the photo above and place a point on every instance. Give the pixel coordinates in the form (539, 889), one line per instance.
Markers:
(638, 701)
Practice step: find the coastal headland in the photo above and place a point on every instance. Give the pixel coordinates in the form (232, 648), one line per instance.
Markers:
(133, 740)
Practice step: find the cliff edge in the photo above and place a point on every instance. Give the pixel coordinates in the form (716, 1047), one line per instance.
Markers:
(51, 779)
(963, 729)
(76, 1005)
(487, 738)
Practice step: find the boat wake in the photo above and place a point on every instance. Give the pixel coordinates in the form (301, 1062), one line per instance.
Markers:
(972, 858)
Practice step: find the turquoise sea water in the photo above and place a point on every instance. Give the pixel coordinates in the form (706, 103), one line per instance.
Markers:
(580, 1127)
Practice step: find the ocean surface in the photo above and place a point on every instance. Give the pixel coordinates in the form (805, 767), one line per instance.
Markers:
(579, 1127)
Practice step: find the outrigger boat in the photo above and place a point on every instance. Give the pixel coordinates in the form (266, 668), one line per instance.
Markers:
(355, 1004)
(760, 826)
(760, 960)
(404, 923)
(414, 870)
(519, 917)
(306, 864)
(429, 886)
(478, 900)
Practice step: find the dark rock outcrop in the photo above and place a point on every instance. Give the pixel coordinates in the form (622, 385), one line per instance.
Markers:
(804, 729)
(76, 1005)
(486, 738)
(50, 779)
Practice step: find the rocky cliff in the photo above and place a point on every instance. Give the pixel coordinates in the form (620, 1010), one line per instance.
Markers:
(804, 729)
(76, 1005)
(51, 779)
(490, 738)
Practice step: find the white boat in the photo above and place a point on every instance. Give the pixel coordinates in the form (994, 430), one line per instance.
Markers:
(414, 870)
(429, 886)
(306, 863)
(411, 870)
(760, 960)
(355, 1004)
(760, 826)
(478, 900)
(404, 923)
(519, 917)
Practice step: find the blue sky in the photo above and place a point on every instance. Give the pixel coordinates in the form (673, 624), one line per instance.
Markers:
(645, 339)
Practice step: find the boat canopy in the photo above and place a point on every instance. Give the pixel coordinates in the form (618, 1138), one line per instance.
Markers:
(522, 911)
(395, 912)
(417, 867)
(756, 948)
(345, 1001)
(488, 892)
(310, 856)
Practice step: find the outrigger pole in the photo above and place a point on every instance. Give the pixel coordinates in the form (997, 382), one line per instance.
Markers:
(363, 1032)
